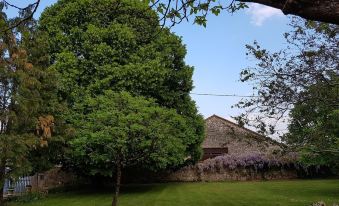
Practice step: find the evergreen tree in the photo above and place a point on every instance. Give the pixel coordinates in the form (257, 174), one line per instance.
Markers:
(26, 99)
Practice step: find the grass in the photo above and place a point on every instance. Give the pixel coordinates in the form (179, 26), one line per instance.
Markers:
(285, 193)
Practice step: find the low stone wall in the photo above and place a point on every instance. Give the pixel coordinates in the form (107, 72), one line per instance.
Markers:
(58, 178)
(193, 174)
(239, 167)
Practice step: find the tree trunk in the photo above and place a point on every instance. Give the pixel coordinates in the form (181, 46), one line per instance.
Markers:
(2, 182)
(2, 200)
(317, 10)
(117, 186)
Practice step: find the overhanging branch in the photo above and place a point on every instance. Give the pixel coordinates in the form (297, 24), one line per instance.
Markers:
(317, 10)
(34, 5)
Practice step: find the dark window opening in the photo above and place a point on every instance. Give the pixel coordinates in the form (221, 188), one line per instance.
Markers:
(214, 152)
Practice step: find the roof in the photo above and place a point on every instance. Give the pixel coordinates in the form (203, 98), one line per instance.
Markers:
(254, 134)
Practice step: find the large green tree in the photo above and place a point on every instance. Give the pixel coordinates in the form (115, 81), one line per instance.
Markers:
(120, 130)
(99, 45)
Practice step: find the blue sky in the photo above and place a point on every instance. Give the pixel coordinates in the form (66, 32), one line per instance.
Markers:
(218, 52)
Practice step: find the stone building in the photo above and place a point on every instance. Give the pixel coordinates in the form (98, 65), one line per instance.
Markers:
(226, 137)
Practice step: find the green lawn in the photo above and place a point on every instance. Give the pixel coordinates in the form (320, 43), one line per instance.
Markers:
(286, 193)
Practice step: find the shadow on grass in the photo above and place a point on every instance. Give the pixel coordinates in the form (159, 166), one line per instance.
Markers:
(104, 190)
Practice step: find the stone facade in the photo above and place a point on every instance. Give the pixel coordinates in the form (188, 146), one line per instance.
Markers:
(222, 133)
(236, 141)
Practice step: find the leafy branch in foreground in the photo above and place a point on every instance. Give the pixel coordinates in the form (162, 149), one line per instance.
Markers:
(175, 11)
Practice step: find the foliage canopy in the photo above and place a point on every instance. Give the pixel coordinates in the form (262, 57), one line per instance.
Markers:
(107, 45)
(120, 129)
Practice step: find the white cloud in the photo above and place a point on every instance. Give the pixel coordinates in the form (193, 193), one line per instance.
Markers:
(260, 13)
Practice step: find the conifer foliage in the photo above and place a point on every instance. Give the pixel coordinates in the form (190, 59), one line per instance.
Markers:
(23, 99)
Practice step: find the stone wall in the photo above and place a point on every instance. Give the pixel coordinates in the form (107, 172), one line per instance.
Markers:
(192, 174)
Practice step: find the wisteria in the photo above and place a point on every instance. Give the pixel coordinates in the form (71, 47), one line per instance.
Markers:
(256, 161)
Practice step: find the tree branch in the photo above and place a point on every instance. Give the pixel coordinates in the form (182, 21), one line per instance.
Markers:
(36, 5)
(317, 10)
